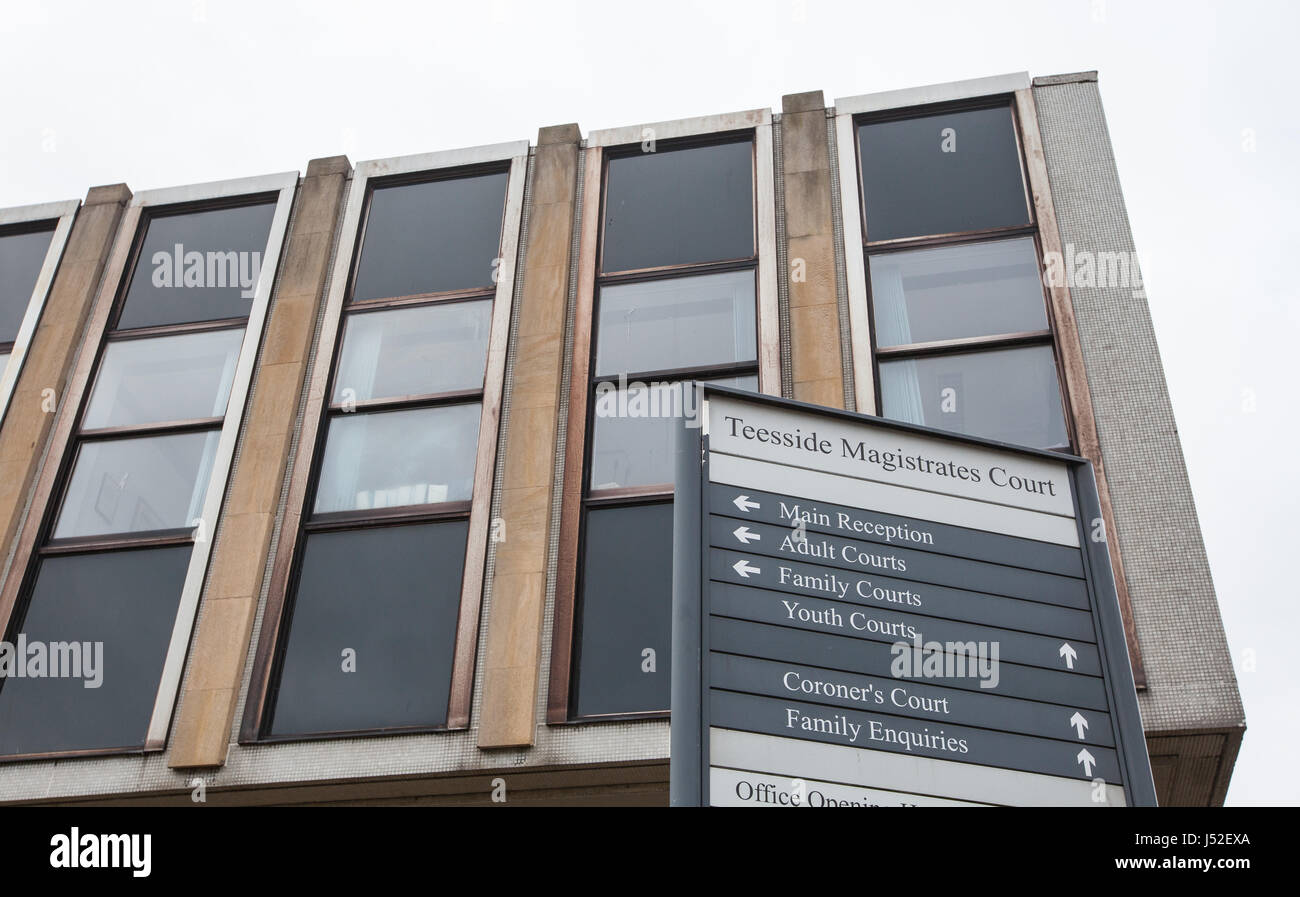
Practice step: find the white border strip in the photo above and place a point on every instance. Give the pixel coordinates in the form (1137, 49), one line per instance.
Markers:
(855, 265)
(474, 155)
(950, 779)
(286, 184)
(915, 504)
(65, 212)
(682, 127)
(933, 93)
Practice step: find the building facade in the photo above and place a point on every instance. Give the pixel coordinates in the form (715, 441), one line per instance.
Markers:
(355, 487)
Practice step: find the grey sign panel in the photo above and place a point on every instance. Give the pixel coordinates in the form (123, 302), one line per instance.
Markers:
(833, 652)
(915, 594)
(885, 592)
(900, 563)
(853, 621)
(882, 732)
(916, 699)
(890, 529)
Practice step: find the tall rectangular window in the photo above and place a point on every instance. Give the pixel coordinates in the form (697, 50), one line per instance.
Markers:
(962, 339)
(107, 579)
(674, 303)
(368, 635)
(22, 254)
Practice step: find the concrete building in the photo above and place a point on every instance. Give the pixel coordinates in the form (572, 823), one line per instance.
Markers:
(310, 490)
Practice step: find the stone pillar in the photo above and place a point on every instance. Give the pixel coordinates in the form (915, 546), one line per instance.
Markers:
(815, 352)
(216, 665)
(511, 665)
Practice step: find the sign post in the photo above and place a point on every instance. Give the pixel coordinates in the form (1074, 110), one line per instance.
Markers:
(867, 612)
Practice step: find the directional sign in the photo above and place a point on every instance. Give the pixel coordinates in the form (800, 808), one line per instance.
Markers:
(869, 613)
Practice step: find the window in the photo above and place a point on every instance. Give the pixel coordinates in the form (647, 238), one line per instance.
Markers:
(962, 339)
(110, 576)
(674, 302)
(25, 247)
(22, 254)
(368, 635)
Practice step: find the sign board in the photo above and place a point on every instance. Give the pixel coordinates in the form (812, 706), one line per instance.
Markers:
(873, 613)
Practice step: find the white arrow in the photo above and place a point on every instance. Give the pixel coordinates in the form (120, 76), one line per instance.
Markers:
(1079, 722)
(744, 568)
(744, 535)
(1069, 654)
(744, 503)
(1087, 760)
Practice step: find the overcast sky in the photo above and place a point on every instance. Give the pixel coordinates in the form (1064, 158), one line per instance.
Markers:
(1201, 100)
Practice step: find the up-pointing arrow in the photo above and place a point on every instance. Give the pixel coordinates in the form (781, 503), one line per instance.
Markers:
(744, 568)
(1079, 722)
(745, 503)
(1087, 760)
(744, 535)
(1069, 654)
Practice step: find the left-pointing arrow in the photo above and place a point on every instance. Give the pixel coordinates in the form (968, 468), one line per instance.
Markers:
(744, 535)
(744, 568)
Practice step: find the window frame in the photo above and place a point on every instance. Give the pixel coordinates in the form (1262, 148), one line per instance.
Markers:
(1081, 425)
(859, 243)
(35, 539)
(319, 409)
(25, 219)
(754, 126)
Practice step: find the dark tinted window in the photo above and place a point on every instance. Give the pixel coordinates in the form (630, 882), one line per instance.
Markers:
(388, 599)
(625, 610)
(126, 603)
(1006, 394)
(200, 266)
(939, 174)
(432, 237)
(676, 207)
(21, 258)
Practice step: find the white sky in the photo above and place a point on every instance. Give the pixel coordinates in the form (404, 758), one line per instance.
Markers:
(163, 94)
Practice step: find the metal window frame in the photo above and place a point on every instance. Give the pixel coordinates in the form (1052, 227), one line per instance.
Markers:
(62, 214)
(754, 125)
(511, 157)
(57, 469)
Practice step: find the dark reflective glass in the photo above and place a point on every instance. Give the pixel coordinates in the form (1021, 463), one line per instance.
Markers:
(21, 258)
(117, 609)
(939, 174)
(677, 322)
(1006, 394)
(676, 207)
(373, 630)
(432, 237)
(200, 266)
(975, 289)
(626, 610)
